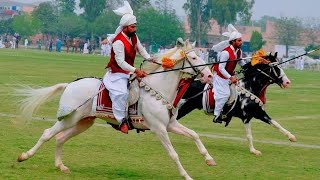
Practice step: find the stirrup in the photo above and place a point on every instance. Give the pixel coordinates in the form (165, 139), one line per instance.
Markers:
(217, 119)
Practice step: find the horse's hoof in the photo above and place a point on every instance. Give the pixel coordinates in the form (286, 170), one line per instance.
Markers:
(256, 152)
(64, 169)
(293, 138)
(22, 157)
(211, 162)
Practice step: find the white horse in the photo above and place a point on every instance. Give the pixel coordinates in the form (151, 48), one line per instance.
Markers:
(75, 110)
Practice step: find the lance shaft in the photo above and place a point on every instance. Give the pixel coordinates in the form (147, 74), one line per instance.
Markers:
(306, 53)
(207, 64)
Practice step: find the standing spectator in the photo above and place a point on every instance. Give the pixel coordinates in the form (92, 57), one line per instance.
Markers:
(50, 45)
(18, 37)
(58, 45)
(1, 45)
(85, 48)
(46, 45)
(39, 44)
(26, 43)
(301, 63)
(13, 42)
(103, 50)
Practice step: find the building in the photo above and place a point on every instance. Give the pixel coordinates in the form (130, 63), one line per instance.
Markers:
(9, 9)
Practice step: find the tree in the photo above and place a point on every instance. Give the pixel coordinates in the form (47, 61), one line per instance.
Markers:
(92, 8)
(26, 25)
(256, 41)
(315, 54)
(67, 6)
(47, 14)
(287, 31)
(149, 30)
(311, 28)
(227, 11)
(71, 25)
(106, 23)
(198, 18)
(263, 21)
(6, 26)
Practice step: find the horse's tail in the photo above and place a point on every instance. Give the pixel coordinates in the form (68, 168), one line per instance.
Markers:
(34, 98)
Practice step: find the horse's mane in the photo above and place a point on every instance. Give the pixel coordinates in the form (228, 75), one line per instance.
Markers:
(151, 67)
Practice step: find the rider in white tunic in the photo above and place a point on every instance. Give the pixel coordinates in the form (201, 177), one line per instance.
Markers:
(125, 44)
(224, 72)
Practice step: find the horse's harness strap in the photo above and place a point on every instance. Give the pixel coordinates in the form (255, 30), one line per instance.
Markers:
(199, 93)
(157, 94)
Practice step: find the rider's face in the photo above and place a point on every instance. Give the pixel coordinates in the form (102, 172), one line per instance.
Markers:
(237, 43)
(131, 29)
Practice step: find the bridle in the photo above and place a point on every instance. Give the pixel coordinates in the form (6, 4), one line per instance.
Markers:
(186, 58)
(271, 69)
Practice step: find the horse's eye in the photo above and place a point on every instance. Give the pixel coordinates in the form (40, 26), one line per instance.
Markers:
(194, 58)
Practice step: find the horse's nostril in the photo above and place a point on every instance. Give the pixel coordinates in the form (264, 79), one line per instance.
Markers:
(209, 76)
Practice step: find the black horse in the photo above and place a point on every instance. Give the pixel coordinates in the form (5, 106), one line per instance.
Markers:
(249, 96)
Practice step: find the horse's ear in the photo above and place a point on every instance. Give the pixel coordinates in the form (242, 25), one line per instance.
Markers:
(194, 44)
(275, 55)
(179, 42)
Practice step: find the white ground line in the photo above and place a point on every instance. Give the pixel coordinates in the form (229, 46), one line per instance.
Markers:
(214, 136)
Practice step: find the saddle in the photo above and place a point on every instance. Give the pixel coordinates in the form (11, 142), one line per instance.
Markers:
(102, 106)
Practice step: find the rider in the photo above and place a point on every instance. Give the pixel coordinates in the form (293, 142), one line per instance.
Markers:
(224, 72)
(125, 44)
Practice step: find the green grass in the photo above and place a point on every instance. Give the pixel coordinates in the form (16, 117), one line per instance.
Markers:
(102, 153)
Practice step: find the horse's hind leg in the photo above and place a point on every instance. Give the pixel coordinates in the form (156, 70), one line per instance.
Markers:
(163, 136)
(67, 134)
(250, 139)
(178, 128)
(49, 133)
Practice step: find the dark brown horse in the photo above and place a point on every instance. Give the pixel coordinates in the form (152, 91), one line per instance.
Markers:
(72, 43)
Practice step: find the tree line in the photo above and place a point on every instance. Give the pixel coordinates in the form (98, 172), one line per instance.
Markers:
(156, 25)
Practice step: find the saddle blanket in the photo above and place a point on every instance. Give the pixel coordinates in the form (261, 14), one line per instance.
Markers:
(102, 106)
(208, 101)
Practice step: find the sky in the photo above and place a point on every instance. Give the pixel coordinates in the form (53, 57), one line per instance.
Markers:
(277, 8)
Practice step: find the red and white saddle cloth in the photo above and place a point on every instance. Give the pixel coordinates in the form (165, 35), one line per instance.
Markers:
(102, 108)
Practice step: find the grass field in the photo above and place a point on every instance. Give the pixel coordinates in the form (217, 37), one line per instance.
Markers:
(102, 153)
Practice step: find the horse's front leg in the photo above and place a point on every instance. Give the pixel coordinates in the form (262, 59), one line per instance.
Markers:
(178, 128)
(163, 136)
(250, 139)
(276, 125)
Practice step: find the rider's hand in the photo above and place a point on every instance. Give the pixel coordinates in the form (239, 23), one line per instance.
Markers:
(152, 59)
(140, 73)
(233, 79)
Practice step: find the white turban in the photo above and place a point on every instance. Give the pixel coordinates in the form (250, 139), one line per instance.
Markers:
(232, 34)
(127, 18)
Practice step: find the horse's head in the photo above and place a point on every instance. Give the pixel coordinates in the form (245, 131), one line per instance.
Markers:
(186, 56)
(266, 70)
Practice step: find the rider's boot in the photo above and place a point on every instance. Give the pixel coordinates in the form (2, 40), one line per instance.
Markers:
(217, 119)
(123, 126)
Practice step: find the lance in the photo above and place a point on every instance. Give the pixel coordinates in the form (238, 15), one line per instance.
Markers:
(306, 53)
(207, 64)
